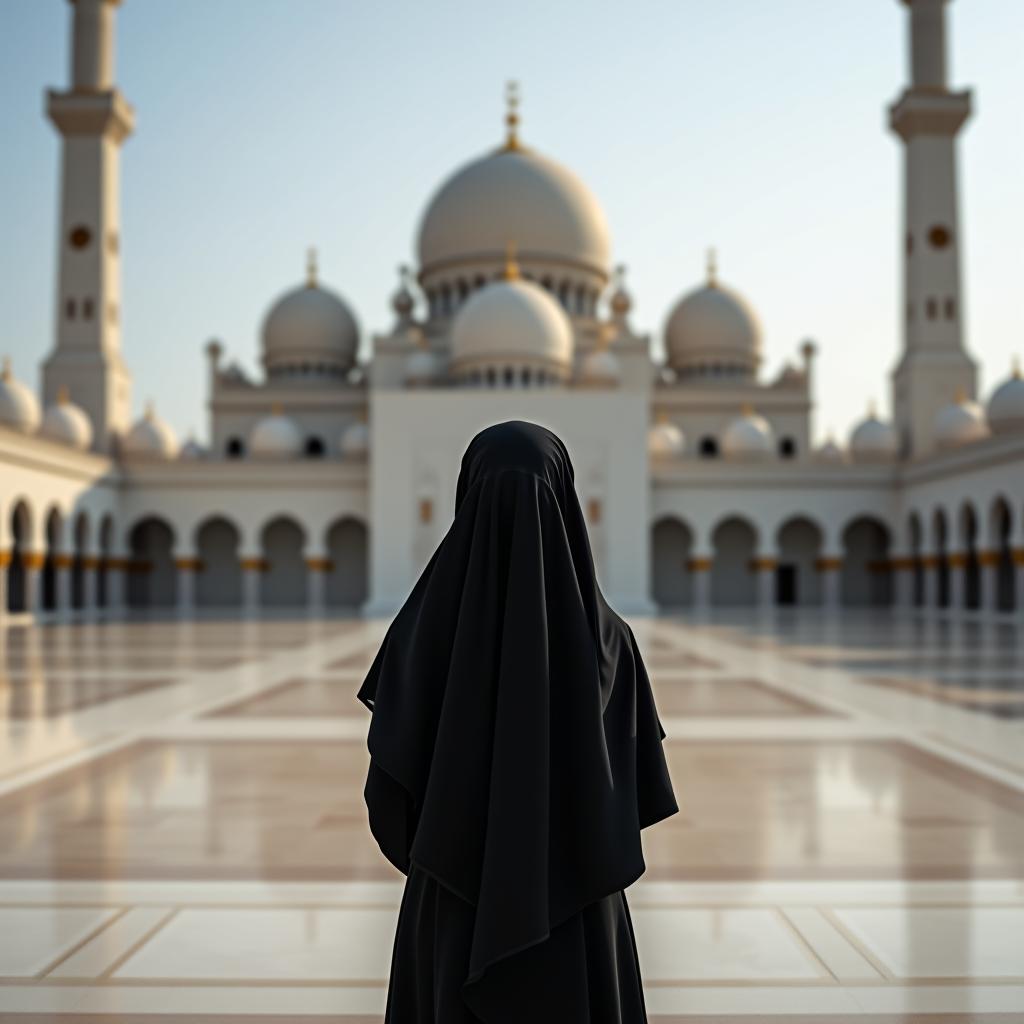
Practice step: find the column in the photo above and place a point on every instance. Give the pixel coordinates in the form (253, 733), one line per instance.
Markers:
(187, 569)
(32, 563)
(830, 568)
(316, 580)
(903, 582)
(764, 568)
(957, 580)
(62, 584)
(252, 569)
(1018, 562)
(116, 569)
(700, 568)
(90, 567)
(988, 589)
(930, 576)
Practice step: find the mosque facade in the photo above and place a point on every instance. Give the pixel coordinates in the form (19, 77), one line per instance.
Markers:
(327, 482)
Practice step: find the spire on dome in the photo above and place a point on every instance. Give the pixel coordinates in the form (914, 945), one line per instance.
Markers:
(712, 267)
(511, 272)
(512, 115)
(6, 373)
(311, 267)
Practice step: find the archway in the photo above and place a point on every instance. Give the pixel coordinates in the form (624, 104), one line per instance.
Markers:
(866, 576)
(48, 583)
(971, 567)
(1002, 531)
(21, 544)
(733, 581)
(797, 578)
(152, 577)
(78, 555)
(346, 583)
(671, 551)
(283, 584)
(219, 579)
(941, 558)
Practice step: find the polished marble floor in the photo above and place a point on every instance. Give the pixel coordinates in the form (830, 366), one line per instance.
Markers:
(183, 839)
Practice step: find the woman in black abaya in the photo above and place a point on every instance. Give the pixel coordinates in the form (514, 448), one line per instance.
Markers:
(515, 755)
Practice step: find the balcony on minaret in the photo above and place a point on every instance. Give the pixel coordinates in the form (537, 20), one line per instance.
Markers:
(97, 114)
(929, 112)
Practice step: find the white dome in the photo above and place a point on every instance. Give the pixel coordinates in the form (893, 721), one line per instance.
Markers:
(600, 368)
(421, 367)
(151, 436)
(355, 440)
(830, 452)
(749, 436)
(873, 439)
(276, 437)
(665, 440)
(67, 423)
(514, 192)
(713, 332)
(1005, 409)
(511, 324)
(309, 333)
(19, 407)
(960, 422)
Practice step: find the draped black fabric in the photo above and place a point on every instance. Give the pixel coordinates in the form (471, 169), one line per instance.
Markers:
(515, 746)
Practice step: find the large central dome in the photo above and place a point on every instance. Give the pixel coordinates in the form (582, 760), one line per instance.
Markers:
(514, 193)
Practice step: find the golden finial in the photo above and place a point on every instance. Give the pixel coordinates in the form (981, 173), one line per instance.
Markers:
(311, 267)
(63, 395)
(512, 115)
(961, 396)
(1015, 368)
(872, 409)
(6, 373)
(661, 416)
(150, 410)
(511, 266)
(747, 409)
(712, 267)
(277, 409)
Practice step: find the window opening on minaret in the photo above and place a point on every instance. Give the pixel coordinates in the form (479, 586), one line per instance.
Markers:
(931, 309)
(950, 309)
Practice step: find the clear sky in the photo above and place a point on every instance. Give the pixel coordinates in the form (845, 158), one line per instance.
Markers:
(756, 126)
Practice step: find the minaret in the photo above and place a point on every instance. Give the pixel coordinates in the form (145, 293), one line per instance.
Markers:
(928, 117)
(93, 119)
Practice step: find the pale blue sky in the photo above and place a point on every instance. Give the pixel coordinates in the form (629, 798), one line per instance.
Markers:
(756, 126)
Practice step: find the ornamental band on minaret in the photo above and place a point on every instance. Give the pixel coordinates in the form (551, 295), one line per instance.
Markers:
(934, 365)
(93, 119)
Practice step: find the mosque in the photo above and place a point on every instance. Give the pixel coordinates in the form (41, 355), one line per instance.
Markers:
(326, 484)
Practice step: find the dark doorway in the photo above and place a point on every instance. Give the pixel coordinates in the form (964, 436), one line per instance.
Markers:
(785, 584)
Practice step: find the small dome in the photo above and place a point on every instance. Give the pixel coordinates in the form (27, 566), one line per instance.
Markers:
(310, 333)
(1005, 409)
(276, 437)
(191, 450)
(665, 440)
(749, 436)
(151, 437)
(712, 332)
(600, 368)
(830, 452)
(355, 440)
(511, 324)
(67, 423)
(873, 440)
(421, 367)
(19, 407)
(960, 422)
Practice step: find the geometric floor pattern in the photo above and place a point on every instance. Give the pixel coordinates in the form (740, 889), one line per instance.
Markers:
(183, 838)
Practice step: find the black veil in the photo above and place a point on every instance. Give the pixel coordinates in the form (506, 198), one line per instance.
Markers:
(515, 745)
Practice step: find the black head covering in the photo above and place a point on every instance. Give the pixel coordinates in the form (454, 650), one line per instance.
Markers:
(515, 746)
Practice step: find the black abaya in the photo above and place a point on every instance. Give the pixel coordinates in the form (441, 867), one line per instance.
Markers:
(516, 753)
